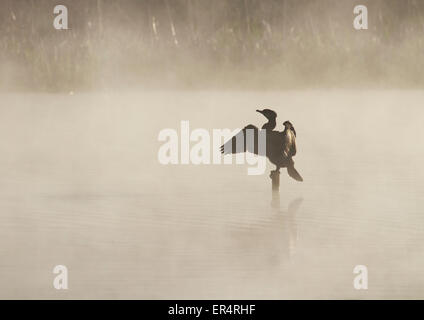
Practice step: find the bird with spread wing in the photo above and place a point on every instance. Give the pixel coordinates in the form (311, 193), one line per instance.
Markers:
(280, 146)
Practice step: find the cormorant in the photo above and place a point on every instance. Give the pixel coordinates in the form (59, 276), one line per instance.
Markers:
(280, 146)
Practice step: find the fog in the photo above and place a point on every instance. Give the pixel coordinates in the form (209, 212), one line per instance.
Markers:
(81, 184)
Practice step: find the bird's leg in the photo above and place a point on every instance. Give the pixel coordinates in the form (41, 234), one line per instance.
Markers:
(274, 172)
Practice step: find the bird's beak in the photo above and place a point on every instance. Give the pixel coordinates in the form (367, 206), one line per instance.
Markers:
(260, 111)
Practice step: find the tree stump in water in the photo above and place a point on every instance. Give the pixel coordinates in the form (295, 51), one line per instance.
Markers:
(275, 177)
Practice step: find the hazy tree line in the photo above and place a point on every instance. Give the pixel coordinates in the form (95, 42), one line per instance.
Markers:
(204, 43)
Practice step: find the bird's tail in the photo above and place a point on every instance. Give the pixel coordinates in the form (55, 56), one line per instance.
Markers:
(293, 173)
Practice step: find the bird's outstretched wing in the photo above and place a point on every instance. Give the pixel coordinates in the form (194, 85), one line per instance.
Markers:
(289, 143)
(239, 143)
(294, 149)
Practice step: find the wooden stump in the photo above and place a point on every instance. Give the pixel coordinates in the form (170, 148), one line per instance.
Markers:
(275, 177)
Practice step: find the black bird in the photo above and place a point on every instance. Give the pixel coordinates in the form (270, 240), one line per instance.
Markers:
(280, 146)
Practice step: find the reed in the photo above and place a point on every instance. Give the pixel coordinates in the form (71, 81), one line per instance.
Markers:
(272, 44)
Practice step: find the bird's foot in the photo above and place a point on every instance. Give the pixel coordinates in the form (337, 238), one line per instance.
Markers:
(274, 173)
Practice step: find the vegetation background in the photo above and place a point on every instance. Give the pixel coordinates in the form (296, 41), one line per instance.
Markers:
(220, 44)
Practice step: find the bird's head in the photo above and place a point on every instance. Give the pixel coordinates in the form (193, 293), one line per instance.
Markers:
(268, 113)
(288, 125)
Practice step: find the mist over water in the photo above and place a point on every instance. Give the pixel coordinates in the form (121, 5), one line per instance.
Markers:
(81, 186)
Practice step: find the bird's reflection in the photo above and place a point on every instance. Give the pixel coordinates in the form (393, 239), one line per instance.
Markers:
(269, 241)
(288, 220)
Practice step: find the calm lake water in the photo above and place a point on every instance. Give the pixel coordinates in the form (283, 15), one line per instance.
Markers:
(81, 186)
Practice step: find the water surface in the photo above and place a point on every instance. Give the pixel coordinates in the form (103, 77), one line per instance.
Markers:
(80, 185)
